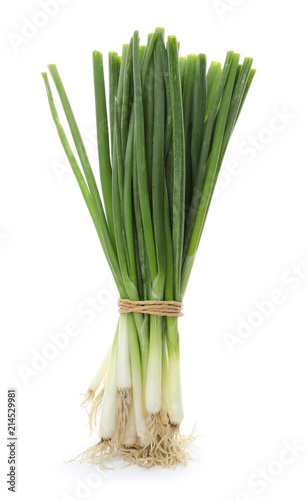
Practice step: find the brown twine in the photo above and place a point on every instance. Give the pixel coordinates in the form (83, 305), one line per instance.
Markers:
(157, 307)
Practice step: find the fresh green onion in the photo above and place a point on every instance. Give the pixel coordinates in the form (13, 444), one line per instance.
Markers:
(170, 122)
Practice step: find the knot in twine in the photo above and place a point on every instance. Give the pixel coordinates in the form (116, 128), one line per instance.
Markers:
(157, 307)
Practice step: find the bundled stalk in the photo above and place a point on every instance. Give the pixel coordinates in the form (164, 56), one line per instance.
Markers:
(160, 153)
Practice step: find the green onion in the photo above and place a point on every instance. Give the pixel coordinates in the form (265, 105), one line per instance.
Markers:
(170, 122)
(103, 138)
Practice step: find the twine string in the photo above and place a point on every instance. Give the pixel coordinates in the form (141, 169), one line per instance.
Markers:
(157, 307)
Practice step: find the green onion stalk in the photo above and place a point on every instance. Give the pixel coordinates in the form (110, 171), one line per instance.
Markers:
(161, 141)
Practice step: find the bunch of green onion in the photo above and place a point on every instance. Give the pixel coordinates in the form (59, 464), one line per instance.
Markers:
(170, 121)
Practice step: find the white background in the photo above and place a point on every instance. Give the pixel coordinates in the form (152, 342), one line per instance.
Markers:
(249, 402)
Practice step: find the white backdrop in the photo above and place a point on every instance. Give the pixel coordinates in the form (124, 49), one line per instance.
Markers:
(244, 331)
